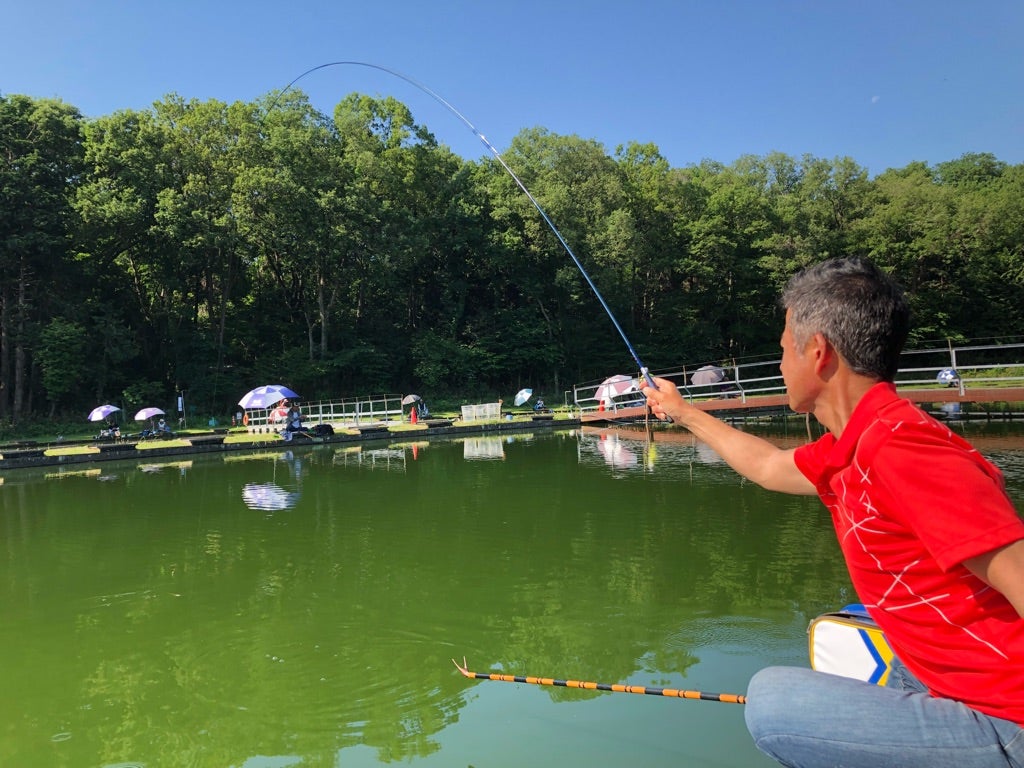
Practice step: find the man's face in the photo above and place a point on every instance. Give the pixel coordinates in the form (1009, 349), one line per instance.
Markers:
(797, 371)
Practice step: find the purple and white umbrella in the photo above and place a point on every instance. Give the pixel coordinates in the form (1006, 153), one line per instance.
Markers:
(148, 413)
(100, 413)
(265, 396)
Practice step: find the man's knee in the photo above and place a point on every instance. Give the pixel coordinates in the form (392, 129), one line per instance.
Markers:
(766, 699)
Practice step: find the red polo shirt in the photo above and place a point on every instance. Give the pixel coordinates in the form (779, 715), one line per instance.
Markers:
(910, 501)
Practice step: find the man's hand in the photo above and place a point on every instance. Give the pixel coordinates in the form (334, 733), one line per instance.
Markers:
(666, 402)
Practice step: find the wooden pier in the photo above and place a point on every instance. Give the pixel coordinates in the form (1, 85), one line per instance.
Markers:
(763, 404)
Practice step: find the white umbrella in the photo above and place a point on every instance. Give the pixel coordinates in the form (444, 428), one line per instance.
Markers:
(265, 396)
(522, 396)
(100, 413)
(618, 384)
(148, 413)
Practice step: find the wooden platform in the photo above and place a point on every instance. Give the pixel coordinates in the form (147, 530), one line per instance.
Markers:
(934, 395)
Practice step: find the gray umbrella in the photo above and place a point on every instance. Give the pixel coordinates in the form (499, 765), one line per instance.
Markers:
(410, 399)
(707, 374)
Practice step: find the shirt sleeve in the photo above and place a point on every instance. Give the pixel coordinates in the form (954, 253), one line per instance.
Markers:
(811, 458)
(951, 497)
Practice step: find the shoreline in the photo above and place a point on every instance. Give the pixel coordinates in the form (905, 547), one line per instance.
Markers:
(214, 442)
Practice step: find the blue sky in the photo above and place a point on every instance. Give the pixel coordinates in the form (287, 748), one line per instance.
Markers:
(886, 82)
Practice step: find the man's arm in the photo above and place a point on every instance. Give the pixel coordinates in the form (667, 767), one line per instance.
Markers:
(1003, 570)
(753, 457)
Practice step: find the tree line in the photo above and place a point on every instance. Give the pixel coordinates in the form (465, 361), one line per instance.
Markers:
(212, 247)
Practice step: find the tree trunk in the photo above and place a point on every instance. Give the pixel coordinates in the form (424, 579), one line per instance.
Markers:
(20, 355)
(5, 354)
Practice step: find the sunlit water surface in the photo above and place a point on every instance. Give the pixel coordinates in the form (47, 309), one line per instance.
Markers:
(302, 607)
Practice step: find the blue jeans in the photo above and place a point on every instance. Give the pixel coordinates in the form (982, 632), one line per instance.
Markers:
(803, 718)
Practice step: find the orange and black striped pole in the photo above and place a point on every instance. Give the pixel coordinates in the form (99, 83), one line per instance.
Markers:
(727, 698)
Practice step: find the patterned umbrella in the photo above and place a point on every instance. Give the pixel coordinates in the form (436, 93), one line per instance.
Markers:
(265, 396)
(522, 396)
(615, 385)
(100, 413)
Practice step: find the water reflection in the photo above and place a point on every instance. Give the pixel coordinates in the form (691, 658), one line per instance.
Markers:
(284, 488)
(156, 620)
(615, 452)
(153, 467)
(64, 474)
(486, 448)
(640, 451)
(268, 497)
(387, 459)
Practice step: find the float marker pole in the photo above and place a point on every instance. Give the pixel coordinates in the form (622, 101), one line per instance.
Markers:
(727, 698)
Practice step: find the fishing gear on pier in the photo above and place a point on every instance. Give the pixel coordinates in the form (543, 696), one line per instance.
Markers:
(676, 693)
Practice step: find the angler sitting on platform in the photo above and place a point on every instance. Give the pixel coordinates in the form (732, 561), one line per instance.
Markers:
(293, 423)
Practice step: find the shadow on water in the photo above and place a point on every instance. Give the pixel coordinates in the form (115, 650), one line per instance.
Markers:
(302, 607)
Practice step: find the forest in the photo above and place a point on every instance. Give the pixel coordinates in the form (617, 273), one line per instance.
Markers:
(207, 247)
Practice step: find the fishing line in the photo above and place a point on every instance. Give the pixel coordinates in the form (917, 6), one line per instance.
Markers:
(497, 155)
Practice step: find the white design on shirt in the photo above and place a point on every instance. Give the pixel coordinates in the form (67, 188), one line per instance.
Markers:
(899, 595)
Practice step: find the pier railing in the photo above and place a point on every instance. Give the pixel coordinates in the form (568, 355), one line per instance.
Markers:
(344, 413)
(973, 366)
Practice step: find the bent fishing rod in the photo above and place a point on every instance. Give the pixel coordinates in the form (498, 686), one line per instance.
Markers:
(675, 693)
(497, 155)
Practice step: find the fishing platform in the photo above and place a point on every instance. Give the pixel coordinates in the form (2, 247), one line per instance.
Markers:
(953, 382)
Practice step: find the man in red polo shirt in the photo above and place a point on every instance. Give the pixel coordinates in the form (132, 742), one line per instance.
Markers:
(934, 547)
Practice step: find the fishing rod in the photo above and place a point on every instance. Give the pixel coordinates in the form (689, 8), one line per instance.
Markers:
(676, 693)
(434, 95)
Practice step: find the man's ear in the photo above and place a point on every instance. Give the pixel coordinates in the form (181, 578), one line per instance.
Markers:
(824, 354)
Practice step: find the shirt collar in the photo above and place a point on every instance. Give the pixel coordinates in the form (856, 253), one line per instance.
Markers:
(880, 395)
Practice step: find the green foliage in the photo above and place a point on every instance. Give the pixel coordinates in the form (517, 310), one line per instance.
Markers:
(209, 247)
(61, 357)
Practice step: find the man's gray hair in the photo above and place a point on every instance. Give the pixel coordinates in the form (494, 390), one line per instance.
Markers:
(857, 307)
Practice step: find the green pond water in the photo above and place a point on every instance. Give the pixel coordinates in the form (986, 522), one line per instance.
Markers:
(302, 607)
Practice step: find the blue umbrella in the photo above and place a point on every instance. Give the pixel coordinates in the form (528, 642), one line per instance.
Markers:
(522, 396)
(265, 396)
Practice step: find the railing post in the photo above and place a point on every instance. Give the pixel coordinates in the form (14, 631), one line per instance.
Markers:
(952, 364)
